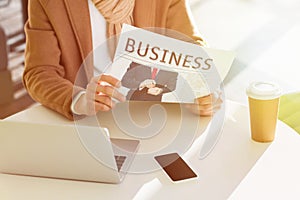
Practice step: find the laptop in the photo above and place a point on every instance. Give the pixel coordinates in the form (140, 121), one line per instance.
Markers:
(59, 151)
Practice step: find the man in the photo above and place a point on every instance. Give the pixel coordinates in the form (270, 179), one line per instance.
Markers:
(60, 36)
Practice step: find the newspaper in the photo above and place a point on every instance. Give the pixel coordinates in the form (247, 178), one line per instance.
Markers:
(154, 67)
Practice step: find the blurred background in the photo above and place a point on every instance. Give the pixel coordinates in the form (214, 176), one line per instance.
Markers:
(264, 34)
(13, 97)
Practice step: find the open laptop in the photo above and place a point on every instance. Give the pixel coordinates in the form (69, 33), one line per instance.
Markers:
(58, 151)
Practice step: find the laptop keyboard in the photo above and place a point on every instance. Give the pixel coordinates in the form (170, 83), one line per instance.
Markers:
(120, 161)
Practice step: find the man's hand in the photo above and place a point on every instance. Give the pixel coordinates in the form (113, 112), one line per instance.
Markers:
(148, 83)
(206, 106)
(99, 95)
(155, 91)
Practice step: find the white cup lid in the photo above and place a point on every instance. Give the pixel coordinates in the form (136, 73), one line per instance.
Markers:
(263, 90)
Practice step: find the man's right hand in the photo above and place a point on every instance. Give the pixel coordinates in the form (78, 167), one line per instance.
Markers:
(99, 95)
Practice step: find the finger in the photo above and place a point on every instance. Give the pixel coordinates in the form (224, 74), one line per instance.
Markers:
(203, 110)
(103, 99)
(210, 107)
(206, 113)
(111, 92)
(91, 91)
(101, 107)
(94, 89)
(204, 100)
(209, 99)
(108, 79)
(197, 111)
(210, 110)
(93, 107)
(204, 106)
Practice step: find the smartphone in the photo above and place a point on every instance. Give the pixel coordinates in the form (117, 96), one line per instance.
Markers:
(175, 167)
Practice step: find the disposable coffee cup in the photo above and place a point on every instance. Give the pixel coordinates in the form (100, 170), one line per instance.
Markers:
(263, 100)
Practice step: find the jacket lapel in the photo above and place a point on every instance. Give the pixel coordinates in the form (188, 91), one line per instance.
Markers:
(78, 12)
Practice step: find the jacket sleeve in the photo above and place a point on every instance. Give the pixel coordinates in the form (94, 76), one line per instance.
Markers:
(44, 75)
(179, 18)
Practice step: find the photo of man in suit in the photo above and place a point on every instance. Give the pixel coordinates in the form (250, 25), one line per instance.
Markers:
(148, 84)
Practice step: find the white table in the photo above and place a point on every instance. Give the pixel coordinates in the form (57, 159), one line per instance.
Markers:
(237, 168)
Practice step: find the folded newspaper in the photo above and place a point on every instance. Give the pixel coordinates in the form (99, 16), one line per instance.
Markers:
(154, 67)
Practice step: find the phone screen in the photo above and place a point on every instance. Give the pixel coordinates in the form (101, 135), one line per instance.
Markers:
(175, 167)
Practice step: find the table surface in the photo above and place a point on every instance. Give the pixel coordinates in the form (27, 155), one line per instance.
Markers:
(238, 168)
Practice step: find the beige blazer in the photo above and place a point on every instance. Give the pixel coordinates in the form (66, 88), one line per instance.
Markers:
(59, 39)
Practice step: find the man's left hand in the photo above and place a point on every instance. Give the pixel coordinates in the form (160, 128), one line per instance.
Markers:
(206, 106)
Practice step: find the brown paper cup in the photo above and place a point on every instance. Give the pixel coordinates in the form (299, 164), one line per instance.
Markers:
(263, 100)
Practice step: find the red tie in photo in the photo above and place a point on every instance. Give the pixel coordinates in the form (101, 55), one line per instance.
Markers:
(154, 72)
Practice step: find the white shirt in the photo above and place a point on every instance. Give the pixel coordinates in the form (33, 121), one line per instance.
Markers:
(101, 53)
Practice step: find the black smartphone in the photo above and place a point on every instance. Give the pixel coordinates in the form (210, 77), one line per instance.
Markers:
(175, 167)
